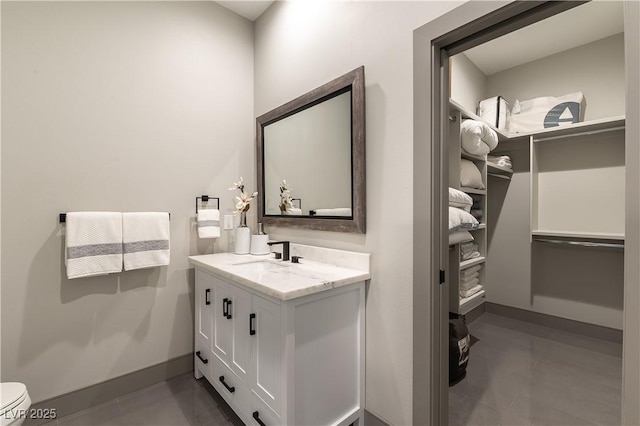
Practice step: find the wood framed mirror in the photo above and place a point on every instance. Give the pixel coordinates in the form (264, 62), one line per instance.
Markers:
(311, 159)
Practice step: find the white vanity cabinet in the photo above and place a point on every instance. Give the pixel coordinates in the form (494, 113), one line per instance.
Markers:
(278, 359)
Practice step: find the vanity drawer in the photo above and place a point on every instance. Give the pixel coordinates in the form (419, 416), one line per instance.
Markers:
(229, 385)
(202, 358)
(262, 414)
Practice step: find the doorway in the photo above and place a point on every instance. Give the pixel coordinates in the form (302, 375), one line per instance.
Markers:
(468, 26)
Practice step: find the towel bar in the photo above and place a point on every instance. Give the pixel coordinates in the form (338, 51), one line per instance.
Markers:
(63, 217)
(206, 198)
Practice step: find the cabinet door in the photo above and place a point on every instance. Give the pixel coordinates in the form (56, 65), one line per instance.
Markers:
(266, 378)
(221, 340)
(204, 296)
(240, 309)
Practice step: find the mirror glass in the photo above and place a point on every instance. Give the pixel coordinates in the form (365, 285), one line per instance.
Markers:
(311, 159)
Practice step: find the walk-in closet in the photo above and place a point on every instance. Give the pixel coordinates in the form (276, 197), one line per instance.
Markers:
(536, 170)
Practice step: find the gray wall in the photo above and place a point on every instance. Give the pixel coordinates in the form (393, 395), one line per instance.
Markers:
(468, 84)
(576, 70)
(302, 45)
(122, 106)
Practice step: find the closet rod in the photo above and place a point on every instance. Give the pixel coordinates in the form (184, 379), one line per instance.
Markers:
(580, 243)
(570, 135)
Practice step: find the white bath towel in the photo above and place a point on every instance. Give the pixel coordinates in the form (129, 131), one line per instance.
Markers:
(93, 243)
(340, 211)
(471, 291)
(208, 222)
(146, 239)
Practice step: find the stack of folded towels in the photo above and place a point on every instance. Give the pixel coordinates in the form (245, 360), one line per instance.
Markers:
(470, 281)
(469, 251)
(502, 160)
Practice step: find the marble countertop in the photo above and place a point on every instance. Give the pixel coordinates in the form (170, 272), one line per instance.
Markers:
(276, 278)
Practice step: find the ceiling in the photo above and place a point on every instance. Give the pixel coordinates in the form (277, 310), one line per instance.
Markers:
(578, 26)
(249, 9)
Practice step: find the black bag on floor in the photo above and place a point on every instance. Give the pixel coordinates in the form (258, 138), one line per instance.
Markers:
(459, 344)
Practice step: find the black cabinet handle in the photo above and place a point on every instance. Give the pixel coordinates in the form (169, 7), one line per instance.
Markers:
(204, 360)
(229, 308)
(252, 330)
(207, 296)
(225, 311)
(256, 417)
(231, 389)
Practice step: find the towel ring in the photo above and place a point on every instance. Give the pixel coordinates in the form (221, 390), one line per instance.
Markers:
(206, 198)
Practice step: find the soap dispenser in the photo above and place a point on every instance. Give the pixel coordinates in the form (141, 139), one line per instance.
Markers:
(259, 245)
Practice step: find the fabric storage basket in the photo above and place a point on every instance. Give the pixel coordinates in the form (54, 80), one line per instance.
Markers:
(545, 112)
(495, 111)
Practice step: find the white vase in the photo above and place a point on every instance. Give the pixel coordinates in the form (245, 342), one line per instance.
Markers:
(243, 236)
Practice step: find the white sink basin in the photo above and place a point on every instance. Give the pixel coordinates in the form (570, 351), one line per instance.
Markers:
(261, 265)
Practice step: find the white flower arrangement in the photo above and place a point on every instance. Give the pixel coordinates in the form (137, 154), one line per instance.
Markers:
(244, 199)
(286, 203)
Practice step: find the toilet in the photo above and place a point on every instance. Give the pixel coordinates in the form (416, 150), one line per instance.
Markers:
(15, 402)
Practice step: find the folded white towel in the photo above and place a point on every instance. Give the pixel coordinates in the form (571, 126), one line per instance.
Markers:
(470, 271)
(93, 243)
(470, 284)
(294, 211)
(471, 291)
(341, 211)
(468, 278)
(208, 222)
(146, 239)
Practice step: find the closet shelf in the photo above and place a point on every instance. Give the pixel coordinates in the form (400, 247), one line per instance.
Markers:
(472, 157)
(480, 227)
(502, 171)
(469, 263)
(585, 127)
(577, 129)
(469, 303)
(473, 190)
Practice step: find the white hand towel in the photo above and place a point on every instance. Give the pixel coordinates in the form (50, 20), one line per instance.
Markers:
(146, 239)
(340, 211)
(93, 243)
(208, 223)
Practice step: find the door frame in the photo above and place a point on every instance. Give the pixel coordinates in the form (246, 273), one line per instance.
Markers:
(471, 24)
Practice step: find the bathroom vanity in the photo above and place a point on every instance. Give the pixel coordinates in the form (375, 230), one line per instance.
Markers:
(283, 342)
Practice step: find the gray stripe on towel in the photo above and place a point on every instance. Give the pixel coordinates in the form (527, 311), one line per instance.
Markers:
(88, 250)
(203, 223)
(137, 246)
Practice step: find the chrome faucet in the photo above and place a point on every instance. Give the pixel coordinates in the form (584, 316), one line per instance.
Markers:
(285, 248)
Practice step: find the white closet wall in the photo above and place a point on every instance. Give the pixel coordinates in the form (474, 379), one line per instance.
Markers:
(595, 69)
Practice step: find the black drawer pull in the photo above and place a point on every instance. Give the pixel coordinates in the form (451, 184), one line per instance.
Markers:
(231, 389)
(229, 309)
(256, 417)
(252, 330)
(225, 308)
(207, 297)
(204, 360)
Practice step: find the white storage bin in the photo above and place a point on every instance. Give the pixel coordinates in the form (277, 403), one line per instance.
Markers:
(495, 111)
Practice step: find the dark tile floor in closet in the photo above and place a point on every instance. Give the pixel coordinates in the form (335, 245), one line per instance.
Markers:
(525, 374)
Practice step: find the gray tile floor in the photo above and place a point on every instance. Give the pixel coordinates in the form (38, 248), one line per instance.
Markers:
(524, 374)
(518, 374)
(181, 401)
